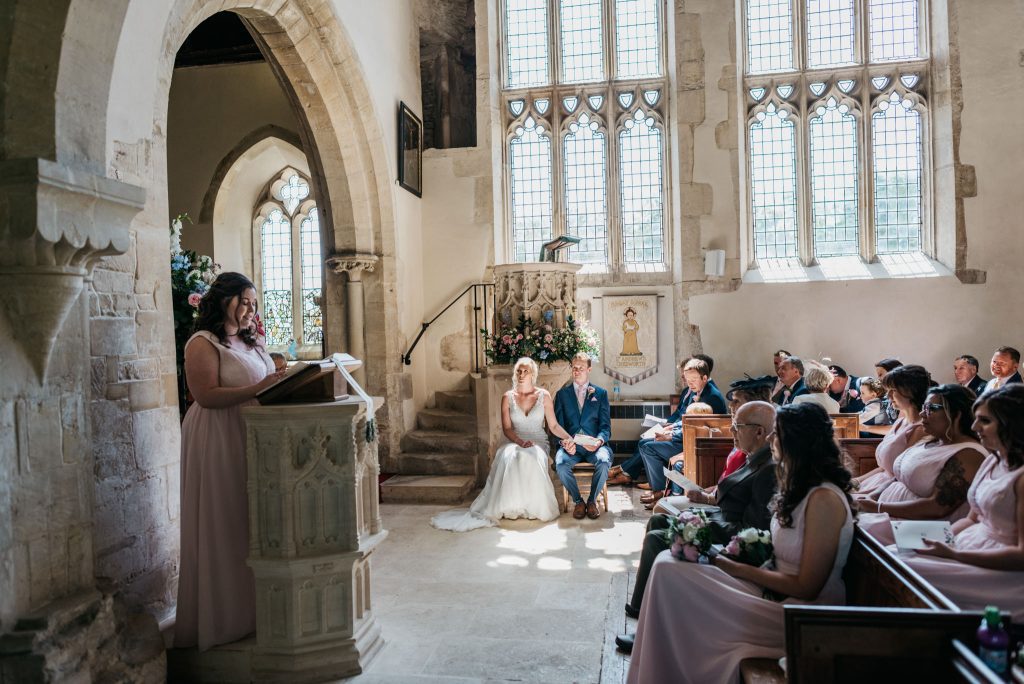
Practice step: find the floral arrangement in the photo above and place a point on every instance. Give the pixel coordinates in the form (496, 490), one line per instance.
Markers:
(690, 536)
(541, 342)
(191, 276)
(752, 547)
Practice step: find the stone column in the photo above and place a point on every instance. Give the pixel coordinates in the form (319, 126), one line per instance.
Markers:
(354, 265)
(313, 522)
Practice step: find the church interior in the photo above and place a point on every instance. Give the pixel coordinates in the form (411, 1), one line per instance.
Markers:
(836, 178)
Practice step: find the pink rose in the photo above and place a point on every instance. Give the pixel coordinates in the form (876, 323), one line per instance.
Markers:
(507, 339)
(690, 553)
(854, 394)
(733, 548)
(193, 299)
(519, 337)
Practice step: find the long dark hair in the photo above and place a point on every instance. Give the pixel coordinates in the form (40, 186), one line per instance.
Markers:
(213, 304)
(1006, 405)
(959, 401)
(810, 457)
(912, 381)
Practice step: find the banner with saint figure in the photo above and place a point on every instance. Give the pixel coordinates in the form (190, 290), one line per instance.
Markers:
(630, 337)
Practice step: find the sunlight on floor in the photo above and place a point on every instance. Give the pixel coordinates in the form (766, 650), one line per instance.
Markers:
(548, 538)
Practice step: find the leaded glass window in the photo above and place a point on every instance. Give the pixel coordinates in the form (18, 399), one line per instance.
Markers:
(835, 134)
(584, 106)
(288, 264)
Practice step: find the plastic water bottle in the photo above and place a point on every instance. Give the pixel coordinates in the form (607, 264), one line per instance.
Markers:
(616, 391)
(993, 641)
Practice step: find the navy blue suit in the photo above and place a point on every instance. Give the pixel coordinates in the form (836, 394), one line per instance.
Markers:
(593, 419)
(794, 392)
(847, 403)
(991, 384)
(977, 385)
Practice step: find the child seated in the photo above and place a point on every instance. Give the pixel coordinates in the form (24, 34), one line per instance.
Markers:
(676, 462)
(280, 362)
(871, 393)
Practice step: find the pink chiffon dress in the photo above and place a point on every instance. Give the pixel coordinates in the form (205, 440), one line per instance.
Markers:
(915, 472)
(993, 500)
(697, 623)
(216, 589)
(895, 442)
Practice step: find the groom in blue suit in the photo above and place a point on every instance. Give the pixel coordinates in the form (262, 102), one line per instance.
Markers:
(582, 408)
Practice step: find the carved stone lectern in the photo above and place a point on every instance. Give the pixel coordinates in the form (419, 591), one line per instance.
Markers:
(314, 523)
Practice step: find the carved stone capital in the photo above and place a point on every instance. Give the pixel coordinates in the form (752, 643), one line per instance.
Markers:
(353, 264)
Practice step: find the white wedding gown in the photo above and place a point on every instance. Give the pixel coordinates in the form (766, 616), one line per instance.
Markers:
(518, 485)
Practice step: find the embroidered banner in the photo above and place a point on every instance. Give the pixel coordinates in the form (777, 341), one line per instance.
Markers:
(630, 337)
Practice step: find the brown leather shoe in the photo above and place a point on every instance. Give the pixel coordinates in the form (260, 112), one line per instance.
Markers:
(644, 485)
(592, 511)
(579, 511)
(620, 479)
(614, 470)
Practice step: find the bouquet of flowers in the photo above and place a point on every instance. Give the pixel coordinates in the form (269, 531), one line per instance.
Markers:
(541, 342)
(690, 536)
(752, 547)
(191, 276)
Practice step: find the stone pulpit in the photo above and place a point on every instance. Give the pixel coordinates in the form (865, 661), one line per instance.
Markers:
(314, 523)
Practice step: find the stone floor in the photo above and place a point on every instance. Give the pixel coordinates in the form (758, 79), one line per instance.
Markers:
(523, 602)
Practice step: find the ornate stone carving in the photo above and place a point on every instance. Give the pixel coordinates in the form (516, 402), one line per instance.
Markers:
(353, 264)
(536, 290)
(313, 523)
(55, 224)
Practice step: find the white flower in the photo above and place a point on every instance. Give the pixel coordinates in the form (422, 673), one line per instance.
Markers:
(689, 533)
(176, 236)
(748, 536)
(766, 537)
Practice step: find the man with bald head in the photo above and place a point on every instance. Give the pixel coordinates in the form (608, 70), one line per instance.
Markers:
(742, 498)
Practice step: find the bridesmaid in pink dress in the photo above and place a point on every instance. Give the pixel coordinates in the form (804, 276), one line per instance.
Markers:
(907, 386)
(700, 621)
(985, 564)
(225, 366)
(932, 476)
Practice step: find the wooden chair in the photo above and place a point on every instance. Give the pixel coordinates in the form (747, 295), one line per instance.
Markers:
(583, 472)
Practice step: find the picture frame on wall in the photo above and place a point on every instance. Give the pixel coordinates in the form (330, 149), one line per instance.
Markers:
(410, 150)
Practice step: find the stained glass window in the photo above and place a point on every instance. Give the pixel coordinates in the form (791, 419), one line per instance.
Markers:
(896, 140)
(290, 259)
(829, 32)
(769, 36)
(637, 38)
(773, 184)
(526, 35)
(834, 184)
(641, 190)
(894, 29)
(530, 165)
(582, 45)
(586, 191)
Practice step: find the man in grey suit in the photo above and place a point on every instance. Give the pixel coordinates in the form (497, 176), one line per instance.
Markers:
(742, 498)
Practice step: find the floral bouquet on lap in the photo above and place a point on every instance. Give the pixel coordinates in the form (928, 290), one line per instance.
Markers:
(752, 547)
(690, 536)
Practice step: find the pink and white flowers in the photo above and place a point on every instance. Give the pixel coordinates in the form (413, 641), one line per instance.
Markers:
(752, 547)
(690, 536)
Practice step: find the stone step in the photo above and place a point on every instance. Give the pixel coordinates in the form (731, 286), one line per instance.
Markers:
(437, 441)
(437, 463)
(427, 489)
(446, 420)
(456, 400)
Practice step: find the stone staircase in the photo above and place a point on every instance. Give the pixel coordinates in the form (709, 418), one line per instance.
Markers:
(437, 463)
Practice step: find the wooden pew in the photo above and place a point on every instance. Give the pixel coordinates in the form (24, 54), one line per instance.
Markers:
(895, 627)
(704, 457)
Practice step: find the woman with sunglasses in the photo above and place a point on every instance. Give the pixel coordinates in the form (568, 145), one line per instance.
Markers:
(985, 564)
(931, 478)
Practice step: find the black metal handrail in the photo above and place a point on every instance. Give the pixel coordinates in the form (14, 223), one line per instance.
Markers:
(483, 314)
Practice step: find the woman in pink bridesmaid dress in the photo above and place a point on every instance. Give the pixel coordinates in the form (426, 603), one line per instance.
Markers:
(226, 365)
(907, 386)
(931, 478)
(985, 563)
(699, 621)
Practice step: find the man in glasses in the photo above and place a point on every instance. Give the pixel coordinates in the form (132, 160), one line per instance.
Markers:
(740, 500)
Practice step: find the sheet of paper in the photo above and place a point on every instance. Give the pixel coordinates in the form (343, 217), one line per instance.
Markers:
(587, 441)
(653, 421)
(674, 505)
(686, 483)
(910, 533)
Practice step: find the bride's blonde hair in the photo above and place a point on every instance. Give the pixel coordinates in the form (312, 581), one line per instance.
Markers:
(524, 361)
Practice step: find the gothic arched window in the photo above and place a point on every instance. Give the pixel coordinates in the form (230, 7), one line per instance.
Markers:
(585, 92)
(836, 94)
(288, 264)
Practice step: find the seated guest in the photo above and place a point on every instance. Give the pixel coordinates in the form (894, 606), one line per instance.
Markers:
(1004, 365)
(742, 497)
(886, 365)
(817, 380)
(777, 358)
(699, 621)
(699, 408)
(930, 479)
(985, 565)
(965, 370)
(676, 462)
(845, 390)
(280, 362)
(791, 373)
(656, 453)
(907, 387)
(871, 393)
(711, 367)
(633, 467)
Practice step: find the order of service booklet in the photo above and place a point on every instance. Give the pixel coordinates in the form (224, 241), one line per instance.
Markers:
(910, 534)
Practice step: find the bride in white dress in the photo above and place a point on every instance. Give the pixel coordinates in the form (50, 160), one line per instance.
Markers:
(518, 485)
